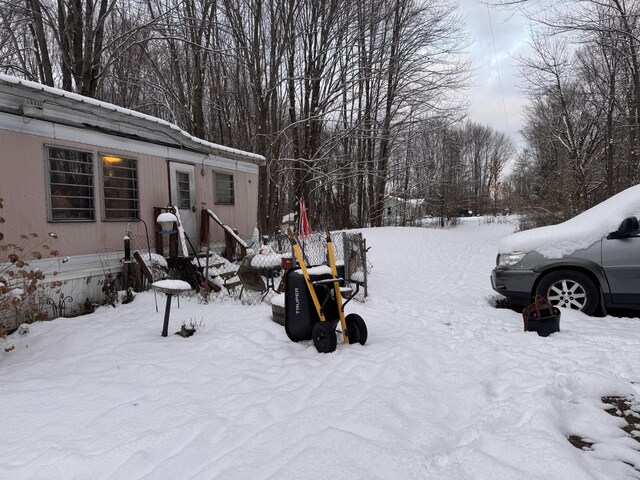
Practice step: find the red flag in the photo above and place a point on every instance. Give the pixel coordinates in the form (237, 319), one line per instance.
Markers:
(305, 231)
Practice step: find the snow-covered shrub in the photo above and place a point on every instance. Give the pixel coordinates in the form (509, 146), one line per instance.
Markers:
(156, 263)
(20, 284)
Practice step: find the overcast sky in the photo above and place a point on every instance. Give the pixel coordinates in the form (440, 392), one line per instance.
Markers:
(510, 32)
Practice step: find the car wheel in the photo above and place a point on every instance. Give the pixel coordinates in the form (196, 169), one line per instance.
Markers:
(569, 289)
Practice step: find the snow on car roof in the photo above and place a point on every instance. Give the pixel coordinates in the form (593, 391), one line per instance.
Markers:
(582, 231)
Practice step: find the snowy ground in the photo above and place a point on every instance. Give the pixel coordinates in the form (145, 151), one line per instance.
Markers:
(447, 387)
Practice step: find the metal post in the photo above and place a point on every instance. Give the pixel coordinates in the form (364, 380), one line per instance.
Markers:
(167, 309)
(127, 248)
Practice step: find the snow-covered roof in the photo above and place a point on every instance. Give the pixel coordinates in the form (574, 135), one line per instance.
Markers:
(582, 231)
(36, 91)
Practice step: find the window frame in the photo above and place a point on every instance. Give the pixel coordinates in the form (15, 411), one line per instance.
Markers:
(216, 200)
(49, 191)
(179, 191)
(103, 205)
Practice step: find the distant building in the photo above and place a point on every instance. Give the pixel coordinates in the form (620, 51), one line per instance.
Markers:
(398, 211)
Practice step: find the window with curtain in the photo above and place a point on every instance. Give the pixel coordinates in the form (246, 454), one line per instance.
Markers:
(70, 184)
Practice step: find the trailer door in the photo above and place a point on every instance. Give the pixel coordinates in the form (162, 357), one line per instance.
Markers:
(183, 196)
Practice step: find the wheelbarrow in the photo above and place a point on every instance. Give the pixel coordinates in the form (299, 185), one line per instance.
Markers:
(314, 306)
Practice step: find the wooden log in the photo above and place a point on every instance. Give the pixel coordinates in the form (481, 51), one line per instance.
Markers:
(143, 267)
(204, 227)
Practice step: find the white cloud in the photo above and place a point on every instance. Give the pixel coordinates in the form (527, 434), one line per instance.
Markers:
(495, 98)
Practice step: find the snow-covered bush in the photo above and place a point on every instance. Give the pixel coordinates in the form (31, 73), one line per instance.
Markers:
(156, 263)
(19, 282)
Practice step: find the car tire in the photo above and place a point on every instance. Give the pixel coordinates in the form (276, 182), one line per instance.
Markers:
(569, 289)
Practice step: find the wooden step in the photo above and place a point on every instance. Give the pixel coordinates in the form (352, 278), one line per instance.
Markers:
(232, 285)
(227, 275)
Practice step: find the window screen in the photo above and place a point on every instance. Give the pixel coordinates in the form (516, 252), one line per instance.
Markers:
(184, 191)
(223, 188)
(70, 176)
(120, 188)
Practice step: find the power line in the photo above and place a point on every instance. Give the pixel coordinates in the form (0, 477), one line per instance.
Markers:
(495, 54)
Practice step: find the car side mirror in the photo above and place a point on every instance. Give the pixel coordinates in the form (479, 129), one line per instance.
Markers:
(628, 228)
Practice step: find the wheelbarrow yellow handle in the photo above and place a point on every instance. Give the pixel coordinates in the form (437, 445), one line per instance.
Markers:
(305, 273)
(336, 287)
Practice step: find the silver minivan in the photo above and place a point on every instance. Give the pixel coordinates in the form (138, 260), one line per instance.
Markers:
(604, 274)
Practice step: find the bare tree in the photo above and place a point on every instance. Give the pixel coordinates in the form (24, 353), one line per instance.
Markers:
(262, 31)
(577, 127)
(331, 93)
(584, 79)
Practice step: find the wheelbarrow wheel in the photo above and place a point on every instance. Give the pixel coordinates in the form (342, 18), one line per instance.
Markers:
(356, 329)
(324, 337)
